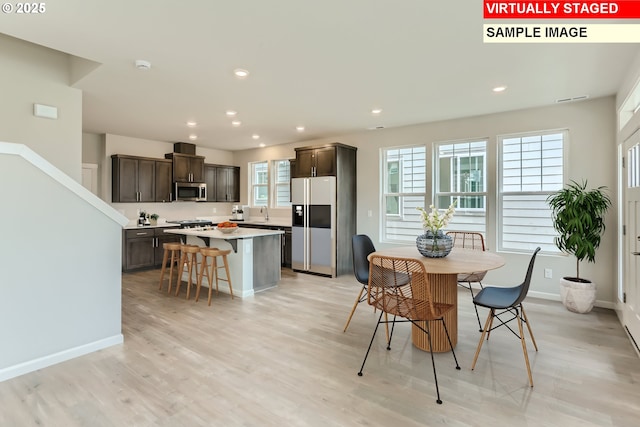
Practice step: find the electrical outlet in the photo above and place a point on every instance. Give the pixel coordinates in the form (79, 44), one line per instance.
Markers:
(548, 273)
(369, 213)
(215, 210)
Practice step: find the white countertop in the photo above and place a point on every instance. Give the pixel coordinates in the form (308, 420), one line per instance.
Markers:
(254, 220)
(276, 222)
(133, 225)
(241, 233)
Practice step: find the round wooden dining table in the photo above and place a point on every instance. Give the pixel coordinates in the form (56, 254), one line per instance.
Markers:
(442, 274)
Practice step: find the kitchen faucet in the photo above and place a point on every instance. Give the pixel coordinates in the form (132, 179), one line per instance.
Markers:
(266, 213)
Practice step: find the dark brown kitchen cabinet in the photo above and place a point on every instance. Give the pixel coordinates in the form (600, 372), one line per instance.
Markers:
(164, 181)
(142, 247)
(133, 179)
(227, 184)
(320, 161)
(223, 183)
(187, 168)
(210, 180)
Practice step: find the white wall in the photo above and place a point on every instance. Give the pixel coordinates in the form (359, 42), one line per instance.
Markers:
(33, 74)
(591, 126)
(61, 267)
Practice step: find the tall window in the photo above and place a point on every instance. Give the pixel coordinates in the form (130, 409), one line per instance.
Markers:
(282, 177)
(531, 168)
(404, 189)
(260, 183)
(461, 174)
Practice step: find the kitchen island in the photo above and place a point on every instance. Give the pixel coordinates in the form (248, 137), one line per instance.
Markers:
(254, 261)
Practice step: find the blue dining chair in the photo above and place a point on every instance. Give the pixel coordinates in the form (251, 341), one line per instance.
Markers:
(507, 301)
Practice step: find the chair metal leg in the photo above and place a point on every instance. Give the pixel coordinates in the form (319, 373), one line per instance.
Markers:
(446, 332)
(487, 326)
(370, 344)
(433, 364)
(358, 300)
(393, 326)
(524, 348)
(476, 307)
(528, 327)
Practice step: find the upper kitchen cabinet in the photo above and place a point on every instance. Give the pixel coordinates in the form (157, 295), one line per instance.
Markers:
(324, 160)
(223, 183)
(187, 168)
(164, 180)
(227, 184)
(133, 179)
(210, 180)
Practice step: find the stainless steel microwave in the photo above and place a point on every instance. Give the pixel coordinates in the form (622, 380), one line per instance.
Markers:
(191, 191)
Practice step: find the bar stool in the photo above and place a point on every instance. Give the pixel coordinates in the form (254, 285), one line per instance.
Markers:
(174, 248)
(213, 253)
(188, 258)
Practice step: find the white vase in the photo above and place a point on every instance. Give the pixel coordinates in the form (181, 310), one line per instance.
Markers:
(578, 297)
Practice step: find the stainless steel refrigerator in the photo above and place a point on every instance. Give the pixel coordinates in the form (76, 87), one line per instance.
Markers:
(313, 223)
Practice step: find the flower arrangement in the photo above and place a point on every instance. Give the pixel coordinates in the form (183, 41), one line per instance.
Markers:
(434, 221)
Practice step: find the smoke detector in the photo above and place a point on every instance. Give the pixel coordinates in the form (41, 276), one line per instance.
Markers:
(141, 64)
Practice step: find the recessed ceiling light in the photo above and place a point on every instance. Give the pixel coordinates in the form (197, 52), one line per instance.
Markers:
(193, 137)
(300, 128)
(376, 111)
(192, 124)
(255, 136)
(236, 123)
(231, 113)
(141, 64)
(240, 73)
(499, 88)
(262, 144)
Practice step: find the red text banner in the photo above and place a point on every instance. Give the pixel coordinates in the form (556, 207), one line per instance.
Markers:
(623, 9)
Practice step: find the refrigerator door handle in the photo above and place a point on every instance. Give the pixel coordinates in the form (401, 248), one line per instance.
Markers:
(307, 236)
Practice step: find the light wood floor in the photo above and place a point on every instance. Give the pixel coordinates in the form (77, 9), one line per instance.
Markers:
(281, 359)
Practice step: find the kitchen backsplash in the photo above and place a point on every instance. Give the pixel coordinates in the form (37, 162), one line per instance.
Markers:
(190, 210)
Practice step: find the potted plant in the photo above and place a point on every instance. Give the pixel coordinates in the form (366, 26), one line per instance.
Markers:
(153, 218)
(578, 217)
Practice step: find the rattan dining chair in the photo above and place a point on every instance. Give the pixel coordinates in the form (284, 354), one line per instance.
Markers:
(411, 302)
(507, 301)
(475, 241)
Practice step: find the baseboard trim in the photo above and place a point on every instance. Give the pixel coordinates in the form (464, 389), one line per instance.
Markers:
(555, 297)
(55, 358)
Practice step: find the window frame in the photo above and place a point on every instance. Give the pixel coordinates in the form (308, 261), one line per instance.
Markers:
(484, 212)
(271, 185)
(254, 186)
(273, 202)
(500, 195)
(402, 191)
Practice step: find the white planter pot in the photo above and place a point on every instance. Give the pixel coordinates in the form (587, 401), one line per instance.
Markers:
(578, 297)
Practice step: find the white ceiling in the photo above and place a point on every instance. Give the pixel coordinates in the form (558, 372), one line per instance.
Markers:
(321, 64)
